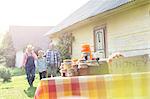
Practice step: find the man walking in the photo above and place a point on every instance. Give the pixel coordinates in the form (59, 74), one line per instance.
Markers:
(53, 60)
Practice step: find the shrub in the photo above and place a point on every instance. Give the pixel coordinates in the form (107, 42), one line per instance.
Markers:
(5, 74)
(17, 71)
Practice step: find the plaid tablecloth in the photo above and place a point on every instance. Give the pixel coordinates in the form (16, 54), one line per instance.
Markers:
(118, 86)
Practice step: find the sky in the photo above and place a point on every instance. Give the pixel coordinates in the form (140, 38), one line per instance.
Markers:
(35, 12)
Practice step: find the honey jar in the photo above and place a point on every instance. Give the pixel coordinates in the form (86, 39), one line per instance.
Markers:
(67, 64)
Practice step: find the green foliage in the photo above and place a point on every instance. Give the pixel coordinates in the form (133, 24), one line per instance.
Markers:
(2, 58)
(65, 45)
(7, 51)
(17, 71)
(18, 88)
(5, 74)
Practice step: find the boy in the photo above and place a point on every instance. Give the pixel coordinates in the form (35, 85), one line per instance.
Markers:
(41, 64)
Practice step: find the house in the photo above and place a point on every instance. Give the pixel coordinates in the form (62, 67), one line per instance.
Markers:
(24, 35)
(108, 26)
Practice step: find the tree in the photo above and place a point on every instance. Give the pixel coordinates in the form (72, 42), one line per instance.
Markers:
(2, 58)
(8, 51)
(65, 45)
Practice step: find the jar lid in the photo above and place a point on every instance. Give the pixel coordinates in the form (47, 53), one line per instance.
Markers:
(81, 66)
(67, 60)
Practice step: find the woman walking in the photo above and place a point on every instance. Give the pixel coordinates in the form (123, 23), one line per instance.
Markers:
(29, 64)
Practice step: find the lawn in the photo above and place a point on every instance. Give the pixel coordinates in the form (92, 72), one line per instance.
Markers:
(18, 88)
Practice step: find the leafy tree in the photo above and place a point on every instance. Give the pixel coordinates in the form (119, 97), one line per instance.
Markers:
(8, 51)
(65, 45)
(2, 58)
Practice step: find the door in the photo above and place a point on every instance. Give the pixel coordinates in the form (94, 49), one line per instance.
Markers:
(100, 46)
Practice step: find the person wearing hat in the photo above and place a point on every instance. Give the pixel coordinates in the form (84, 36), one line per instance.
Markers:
(29, 64)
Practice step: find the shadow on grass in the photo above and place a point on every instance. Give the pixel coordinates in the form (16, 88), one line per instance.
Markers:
(30, 91)
(8, 81)
(4, 82)
(7, 87)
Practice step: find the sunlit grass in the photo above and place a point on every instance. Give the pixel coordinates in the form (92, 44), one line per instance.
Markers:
(18, 88)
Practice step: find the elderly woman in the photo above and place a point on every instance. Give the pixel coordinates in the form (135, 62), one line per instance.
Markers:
(29, 64)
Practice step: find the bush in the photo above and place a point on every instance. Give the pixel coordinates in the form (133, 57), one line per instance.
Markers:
(5, 74)
(17, 71)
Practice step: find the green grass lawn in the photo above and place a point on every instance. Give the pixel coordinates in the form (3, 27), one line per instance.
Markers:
(18, 88)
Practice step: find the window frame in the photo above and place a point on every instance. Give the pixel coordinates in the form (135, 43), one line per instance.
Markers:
(105, 38)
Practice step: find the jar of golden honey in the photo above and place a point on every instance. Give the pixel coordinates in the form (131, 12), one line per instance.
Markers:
(67, 64)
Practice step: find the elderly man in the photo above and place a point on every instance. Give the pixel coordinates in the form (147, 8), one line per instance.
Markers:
(53, 60)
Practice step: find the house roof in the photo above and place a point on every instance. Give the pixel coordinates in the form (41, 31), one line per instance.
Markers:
(23, 35)
(91, 8)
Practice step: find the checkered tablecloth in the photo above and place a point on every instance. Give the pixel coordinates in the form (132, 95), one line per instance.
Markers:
(117, 86)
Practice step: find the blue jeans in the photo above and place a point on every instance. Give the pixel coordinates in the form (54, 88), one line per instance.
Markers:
(30, 72)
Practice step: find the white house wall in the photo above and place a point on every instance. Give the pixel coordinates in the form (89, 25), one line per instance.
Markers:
(19, 58)
(127, 32)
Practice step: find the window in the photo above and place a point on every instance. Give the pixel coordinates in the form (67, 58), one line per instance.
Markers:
(99, 41)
